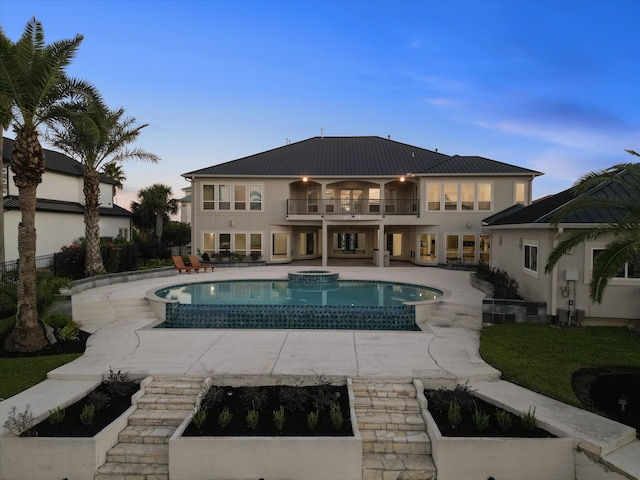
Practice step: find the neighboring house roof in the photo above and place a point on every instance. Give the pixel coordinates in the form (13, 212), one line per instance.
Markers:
(58, 206)
(356, 156)
(54, 161)
(186, 199)
(544, 210)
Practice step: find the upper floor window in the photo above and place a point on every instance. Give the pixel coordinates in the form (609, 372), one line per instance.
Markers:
(520, 193)
(464, 196)
(236, 197)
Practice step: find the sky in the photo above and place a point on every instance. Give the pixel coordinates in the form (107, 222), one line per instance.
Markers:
(549, 85)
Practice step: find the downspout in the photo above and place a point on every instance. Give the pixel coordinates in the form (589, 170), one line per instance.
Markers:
(554, 275)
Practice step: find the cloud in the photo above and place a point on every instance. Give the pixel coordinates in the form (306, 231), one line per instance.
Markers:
(444, 102)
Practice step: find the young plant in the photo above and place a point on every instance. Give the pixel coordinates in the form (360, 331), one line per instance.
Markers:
(312, 420)
(88, 414)
(69, 332)
(199, 417)
(19, 422)
(336, 416)
(99, 399)
(119, 384)
(253, 418)
(56, 416)
(453, 414)
(528, 420)
(481, 419)
(279, 418)
(504, 419)
(224, 418)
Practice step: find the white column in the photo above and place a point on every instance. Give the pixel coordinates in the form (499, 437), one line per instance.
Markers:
(325, 248)
(381, 245)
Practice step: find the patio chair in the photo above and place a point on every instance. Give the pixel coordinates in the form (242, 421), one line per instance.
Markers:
(180, 266)
(195, 261)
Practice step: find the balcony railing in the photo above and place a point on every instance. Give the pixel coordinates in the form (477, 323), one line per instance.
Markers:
(331, 206)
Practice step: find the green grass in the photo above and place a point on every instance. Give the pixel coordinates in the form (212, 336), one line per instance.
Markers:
(18, 374)
(543, 358)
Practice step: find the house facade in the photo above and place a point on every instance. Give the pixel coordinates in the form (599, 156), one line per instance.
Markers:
(523, 237)
(59, 206)
(353, 197)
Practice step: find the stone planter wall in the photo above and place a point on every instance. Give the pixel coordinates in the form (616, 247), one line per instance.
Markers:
(479, 458)
(496, 310)
(49, 458)
(272, 458)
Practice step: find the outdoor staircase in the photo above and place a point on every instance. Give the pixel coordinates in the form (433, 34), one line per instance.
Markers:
(395, 444)
(450, 314)
(142, 451)
(138, 308)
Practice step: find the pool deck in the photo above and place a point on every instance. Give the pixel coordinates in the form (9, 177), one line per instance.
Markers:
(445, 352)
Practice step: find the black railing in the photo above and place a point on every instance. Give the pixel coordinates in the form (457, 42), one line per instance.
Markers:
(331, 206)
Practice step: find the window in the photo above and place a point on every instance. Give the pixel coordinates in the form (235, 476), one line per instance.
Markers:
(209, 243)
(208, 200)
(630, 270)
(240, 247)
(255, 197)
(225, 242)
(240, 197)
(123, 234)
(312, 200)
(389, 201)
(467, 195)
(224, 197)
(450, 196)
(530, 256)
(434, 196)
(256, 245)
(280, 245)
(520, 193)
(484, 196)
(452, 254)
(485, 248)
(469, 248)
(427, 247)
(307, 243)
(374, 200)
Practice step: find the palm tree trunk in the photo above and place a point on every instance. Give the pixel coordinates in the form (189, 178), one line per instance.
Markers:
(28, 335)
(93, 258)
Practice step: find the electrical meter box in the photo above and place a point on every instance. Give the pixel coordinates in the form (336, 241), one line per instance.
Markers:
(571, 275)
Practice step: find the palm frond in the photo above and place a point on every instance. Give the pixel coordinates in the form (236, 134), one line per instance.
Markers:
(575, 239)
(624, 249)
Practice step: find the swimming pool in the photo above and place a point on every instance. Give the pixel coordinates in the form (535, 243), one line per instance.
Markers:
(282, 304)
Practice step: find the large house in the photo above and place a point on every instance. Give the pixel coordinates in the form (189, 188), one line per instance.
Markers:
(353, 197)
(522, 237)
(59, 206)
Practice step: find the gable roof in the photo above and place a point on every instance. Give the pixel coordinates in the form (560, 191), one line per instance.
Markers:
(54, 162)
(59, 206)
(544, 210)
(356, 156)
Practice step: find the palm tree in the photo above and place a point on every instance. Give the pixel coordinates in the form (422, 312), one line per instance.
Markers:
(624, 247)
(154, 208)
(32, 77)
(5, 121)
(95, 136)
(114, 171)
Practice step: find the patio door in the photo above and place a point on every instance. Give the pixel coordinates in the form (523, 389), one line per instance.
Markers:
(351, 200)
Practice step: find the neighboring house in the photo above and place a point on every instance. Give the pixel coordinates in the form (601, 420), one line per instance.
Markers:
(522, 239)
(353, 197)
(59, 206)
(185, 205)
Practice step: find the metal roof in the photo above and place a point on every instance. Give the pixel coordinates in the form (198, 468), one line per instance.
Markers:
(54, 161)
(356, 156)
(59, 206)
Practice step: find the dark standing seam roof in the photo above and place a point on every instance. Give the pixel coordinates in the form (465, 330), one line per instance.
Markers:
(54, 161)
(355, 156)
(59, 206)
(543, 211)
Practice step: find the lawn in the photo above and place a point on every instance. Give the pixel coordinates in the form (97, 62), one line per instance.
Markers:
(18, 374)
(543, 358)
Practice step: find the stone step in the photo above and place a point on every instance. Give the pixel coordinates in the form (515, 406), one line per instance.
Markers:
(396, 404)
(158, 418)
(149, 434)
(132, 471)
(385, 390)
(385, 441)
(140, 453)
(174, 387)
(166, 401)
(390, 421)
(388, 466)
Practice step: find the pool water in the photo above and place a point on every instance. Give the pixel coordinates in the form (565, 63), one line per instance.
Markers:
(279, 304)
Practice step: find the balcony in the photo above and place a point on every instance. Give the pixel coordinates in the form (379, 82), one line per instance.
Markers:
(332, 206)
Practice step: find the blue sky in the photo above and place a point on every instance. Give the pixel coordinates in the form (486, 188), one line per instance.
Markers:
(549, 85)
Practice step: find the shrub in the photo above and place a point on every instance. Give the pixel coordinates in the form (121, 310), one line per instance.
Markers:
(119, 384)
(480, 419)
(504, 419)
(294, 398)
(57, 320)
(253, 398)
(69, 332)
(99, 399)
(453, 414)
(19, 422)
(528, 419)
(224, 418)
(279, 418)
(461, 394)
(213, 397)
(336, 416)
(253, 418)
(504, 286)
(199, 417)
(312, 420)
(88, 414)
(56, 416)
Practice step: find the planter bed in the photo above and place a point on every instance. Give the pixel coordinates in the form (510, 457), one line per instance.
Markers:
(243, 453)
(482, 456)
(73, 457)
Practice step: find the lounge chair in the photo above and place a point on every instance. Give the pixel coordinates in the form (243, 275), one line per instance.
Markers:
(195, 261)
(180, 266)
